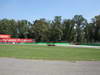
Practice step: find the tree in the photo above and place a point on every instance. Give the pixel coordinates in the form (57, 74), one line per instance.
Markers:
(89, 32)
(56, 29)
(76, 30)
(8, 26)
(96, 22)
(22, 28)
(80, 24)
(40, 30)
(68, 30)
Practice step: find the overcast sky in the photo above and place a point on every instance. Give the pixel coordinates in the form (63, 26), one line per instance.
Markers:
(35, 9)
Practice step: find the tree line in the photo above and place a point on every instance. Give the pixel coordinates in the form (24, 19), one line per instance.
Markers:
(77, 29)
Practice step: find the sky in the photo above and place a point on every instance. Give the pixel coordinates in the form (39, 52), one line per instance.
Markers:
(36, 9)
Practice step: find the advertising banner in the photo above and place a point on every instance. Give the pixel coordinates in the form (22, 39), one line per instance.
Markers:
(17, 40)
(5, 36)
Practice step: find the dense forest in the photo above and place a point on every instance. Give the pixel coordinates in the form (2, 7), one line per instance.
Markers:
(77, 29)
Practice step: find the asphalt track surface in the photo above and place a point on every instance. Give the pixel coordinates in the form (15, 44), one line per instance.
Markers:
(12, 66)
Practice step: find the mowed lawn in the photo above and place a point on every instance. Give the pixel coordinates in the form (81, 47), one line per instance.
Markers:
(49, 53)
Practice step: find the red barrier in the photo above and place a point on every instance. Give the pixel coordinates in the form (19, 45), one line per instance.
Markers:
(17, 40)
(5, 36)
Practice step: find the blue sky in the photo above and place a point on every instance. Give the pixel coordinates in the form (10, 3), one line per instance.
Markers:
(35, 9)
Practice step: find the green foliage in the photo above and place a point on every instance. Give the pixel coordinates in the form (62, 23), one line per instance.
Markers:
(56, 29)
(40, 30)
(23, 28)
(68, 30)
(80, 24)
(7, 26)
(97, 28)
(76, 29)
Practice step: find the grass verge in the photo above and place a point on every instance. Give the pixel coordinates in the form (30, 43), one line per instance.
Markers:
(49, 53)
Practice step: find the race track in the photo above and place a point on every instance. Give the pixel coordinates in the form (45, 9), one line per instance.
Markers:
(12, 66)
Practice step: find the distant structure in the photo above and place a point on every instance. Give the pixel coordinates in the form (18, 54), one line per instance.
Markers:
(5, 38)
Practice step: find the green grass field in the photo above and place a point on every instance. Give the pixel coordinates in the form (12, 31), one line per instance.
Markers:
(49, 53)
